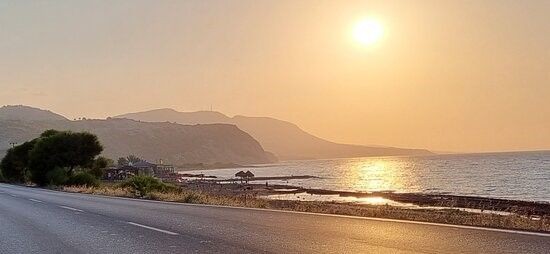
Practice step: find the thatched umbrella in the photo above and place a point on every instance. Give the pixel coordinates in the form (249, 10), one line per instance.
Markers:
(241, 174)
(248, 175)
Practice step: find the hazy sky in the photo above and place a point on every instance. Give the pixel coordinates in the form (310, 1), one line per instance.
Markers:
(452, 76)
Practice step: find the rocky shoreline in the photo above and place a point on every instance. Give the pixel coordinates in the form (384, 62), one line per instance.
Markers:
(233, 187)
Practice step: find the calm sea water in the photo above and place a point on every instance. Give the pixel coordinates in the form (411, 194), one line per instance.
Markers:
(520, 176)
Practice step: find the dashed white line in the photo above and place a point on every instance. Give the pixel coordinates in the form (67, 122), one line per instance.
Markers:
(35, 200)
(152, 228)
(70, 208)
(510, 231)
(13, 195)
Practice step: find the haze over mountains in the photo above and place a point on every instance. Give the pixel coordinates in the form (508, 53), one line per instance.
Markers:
(286, 140)
(188, 137)
(174, 143)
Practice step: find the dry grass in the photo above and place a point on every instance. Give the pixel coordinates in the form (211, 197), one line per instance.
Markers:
(181, 196)
(448, 216)
(103, 190)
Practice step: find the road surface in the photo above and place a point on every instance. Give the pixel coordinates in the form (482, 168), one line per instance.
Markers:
(42, 221)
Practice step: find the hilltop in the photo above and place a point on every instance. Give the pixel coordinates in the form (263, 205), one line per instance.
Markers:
(26, 113)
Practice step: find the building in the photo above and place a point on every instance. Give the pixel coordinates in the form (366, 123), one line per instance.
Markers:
(120, 173)
(145, 167)
(154, 169)
(138, 168)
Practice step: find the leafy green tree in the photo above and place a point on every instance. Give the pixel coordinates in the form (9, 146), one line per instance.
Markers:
(66, 150)
(57, 177)
(99, 165)
(49, 133)
(14, 165)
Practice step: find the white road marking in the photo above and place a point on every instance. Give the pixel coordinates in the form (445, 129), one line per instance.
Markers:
(70, 208)
(152, 228)
(510, 231)
(13, 195)
(35, 200)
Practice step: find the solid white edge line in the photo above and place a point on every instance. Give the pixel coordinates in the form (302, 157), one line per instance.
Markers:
(511, 231)
(152, 228)
(71, 208)
(35, 200)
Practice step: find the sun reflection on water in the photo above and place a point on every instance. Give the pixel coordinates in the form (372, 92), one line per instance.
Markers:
(377, 175)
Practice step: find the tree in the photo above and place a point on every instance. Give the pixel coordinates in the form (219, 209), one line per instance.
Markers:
(49, 133)
(98, 166)
(122, 162)
(133, 159)
(66, 150)
(14, 165)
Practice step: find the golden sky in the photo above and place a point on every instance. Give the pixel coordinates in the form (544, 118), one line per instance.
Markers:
(446, 75)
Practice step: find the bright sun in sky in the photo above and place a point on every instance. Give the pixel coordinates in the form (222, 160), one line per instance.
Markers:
(368, 31)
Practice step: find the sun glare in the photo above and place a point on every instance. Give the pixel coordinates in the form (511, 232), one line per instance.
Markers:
(368, 31)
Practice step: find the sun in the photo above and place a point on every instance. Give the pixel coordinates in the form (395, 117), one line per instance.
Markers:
(368, 31)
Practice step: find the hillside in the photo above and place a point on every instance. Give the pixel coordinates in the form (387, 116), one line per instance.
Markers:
(174, 143)
(286, 140)
(25, 113)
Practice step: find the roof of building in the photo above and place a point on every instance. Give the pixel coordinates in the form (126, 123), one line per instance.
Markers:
(127, 167)
(144, 164)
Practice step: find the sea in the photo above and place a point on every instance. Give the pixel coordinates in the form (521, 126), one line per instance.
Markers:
(515, 175)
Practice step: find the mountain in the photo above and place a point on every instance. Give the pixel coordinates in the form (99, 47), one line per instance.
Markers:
(286, 140)
(26, 113)
(174, 143)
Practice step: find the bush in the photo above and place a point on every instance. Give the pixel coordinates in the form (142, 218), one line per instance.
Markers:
(98, 166)
(14, 164)
(193, 198)
(83, 179)
(68, 150)
(2, 178)
(144, 185)
(57, 177)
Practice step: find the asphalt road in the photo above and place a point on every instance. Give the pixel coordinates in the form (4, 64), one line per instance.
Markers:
(42, 221)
